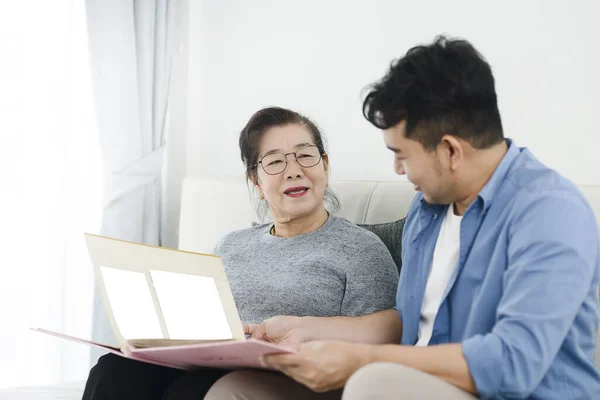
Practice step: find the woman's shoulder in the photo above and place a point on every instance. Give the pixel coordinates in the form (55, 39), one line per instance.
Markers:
(240, 236)
(245, 232)
(354, 234)
(364, 248)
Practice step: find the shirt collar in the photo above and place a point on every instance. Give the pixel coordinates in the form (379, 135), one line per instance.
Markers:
(489, 191)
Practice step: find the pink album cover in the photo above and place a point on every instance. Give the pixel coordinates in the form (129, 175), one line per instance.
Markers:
(228, 355)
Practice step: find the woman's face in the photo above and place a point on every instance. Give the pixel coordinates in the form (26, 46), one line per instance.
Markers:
(297, 191)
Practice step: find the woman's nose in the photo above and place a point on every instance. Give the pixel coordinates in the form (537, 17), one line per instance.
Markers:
(293, 170)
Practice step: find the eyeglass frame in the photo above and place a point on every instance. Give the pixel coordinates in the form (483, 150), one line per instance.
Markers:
(321, 154)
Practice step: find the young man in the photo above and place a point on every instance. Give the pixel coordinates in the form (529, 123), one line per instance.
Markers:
(498, 294)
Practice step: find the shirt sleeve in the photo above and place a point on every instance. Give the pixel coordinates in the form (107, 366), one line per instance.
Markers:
(552, 256)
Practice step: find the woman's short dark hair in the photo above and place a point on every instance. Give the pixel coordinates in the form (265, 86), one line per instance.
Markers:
(271, 117)
(446, 87)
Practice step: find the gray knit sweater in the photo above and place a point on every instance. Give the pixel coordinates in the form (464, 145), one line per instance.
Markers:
(339, 269)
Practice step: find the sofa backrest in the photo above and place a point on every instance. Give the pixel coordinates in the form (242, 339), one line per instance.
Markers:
(212, 208)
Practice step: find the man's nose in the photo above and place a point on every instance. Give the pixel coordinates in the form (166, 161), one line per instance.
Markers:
(400, 168)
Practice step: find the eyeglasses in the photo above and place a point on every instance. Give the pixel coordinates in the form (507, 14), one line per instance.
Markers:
(276, 163)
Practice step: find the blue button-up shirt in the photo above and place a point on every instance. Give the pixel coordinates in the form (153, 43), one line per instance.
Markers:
(523, 298)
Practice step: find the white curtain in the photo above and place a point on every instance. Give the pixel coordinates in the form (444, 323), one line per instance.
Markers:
(131, 57)
(51, 190)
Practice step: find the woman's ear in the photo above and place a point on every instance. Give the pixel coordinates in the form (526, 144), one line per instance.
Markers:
(254, 181)
(326, 167)
(258, 189)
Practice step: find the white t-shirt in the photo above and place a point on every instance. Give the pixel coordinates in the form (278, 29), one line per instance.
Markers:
(445, 258)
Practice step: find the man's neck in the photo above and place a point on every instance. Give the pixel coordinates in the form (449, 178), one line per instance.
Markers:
(287, 228)
(483, 165)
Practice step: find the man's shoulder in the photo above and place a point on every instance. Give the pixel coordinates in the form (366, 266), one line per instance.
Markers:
(531, 174)
(530, 181)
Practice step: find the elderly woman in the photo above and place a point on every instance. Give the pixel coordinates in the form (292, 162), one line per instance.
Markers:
(306, 262)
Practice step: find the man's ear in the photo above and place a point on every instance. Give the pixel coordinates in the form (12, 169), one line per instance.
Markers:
(453, 149)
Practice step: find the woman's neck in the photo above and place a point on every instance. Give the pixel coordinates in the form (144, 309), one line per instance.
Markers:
(299, 226)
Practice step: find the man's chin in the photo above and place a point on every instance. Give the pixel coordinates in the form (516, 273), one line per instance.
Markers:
(430, 199)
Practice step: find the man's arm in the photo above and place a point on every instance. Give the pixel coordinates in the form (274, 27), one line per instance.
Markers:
(552, 257)
(327, 365)
(377, 328)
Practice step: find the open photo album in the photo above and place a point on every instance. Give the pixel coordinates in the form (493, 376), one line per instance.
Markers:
(170, 307)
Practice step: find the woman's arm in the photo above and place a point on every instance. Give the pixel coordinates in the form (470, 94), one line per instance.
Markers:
(371, 277)
(377, 328)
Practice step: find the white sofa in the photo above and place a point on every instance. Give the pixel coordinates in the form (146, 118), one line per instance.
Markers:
(210, 209)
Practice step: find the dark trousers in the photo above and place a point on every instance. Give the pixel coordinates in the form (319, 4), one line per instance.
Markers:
(116, 378)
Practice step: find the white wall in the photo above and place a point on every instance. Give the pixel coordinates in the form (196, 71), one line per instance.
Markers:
(316, 56)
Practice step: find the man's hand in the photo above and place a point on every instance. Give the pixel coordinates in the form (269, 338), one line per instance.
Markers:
(321, 365)
(282, 330)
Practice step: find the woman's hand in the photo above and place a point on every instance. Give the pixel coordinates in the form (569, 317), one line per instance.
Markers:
(283, 330)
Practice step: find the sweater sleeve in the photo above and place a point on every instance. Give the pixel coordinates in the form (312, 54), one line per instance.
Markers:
(390, 234)
(371, 279)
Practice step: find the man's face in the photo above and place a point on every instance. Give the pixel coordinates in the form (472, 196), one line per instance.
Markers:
(425, 169)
